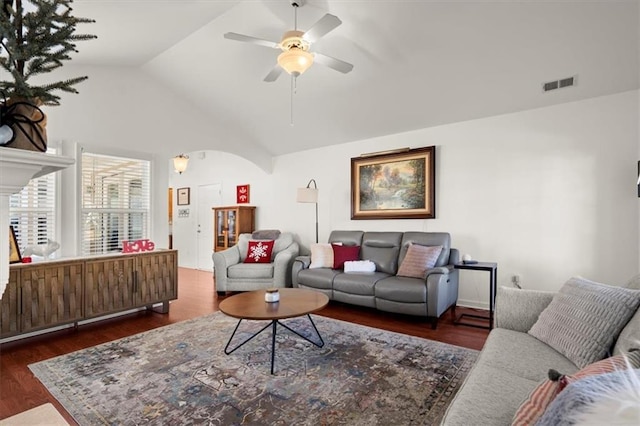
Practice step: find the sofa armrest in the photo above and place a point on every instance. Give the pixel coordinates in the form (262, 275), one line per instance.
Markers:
(442, 289)
(518, 309)
(437, 270)
(300, 263)
(282, 264)
(221, 261)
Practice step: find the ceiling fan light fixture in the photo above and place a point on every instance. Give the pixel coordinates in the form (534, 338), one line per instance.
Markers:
(295, 61)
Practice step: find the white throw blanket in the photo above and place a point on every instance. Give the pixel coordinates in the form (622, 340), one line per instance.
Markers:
(351, 266)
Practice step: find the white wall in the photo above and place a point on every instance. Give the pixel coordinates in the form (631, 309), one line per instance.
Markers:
(546, 193)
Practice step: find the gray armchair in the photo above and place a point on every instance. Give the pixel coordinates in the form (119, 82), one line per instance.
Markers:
(232, 274)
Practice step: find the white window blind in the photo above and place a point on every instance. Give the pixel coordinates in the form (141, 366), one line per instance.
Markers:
(32, 211)
(115, 202)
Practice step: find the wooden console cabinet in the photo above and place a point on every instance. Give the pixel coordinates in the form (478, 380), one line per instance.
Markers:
(229, 222)
(53, 293)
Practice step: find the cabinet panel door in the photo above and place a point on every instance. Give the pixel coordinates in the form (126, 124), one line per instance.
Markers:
(156, 277)
(51, 295)
(109, 285)
(219, 229)
(10, 306)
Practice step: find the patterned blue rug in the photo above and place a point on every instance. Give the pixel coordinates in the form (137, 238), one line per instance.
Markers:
(179, 374)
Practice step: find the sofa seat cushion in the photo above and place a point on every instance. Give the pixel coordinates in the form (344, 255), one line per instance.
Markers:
(509, 367)
(490, 396)
(363, 283)
(527, 357)
(250, 270)
(318, 278)
(402, 289)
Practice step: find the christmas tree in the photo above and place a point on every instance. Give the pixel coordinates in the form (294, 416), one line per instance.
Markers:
(37, 37)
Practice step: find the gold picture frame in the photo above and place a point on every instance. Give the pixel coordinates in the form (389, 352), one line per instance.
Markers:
(394, 185)
(14, 250)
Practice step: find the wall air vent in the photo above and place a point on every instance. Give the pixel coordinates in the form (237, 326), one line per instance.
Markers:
(559, 84)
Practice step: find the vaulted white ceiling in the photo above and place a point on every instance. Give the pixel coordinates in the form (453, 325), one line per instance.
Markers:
(416, 63)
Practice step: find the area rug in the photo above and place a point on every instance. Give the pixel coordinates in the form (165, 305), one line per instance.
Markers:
(179, 374)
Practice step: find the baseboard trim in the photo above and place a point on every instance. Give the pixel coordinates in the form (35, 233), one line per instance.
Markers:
(472, 304)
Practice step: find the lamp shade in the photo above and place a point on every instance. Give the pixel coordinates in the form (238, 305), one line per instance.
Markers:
(307, 195)
(295, 61)
(180, 163)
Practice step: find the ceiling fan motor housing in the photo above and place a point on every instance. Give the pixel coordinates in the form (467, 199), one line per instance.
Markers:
(293, 39)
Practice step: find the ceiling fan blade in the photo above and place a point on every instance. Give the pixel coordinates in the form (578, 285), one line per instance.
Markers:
(273, 74)
(326, 24)
(254, 40)
(336, 64)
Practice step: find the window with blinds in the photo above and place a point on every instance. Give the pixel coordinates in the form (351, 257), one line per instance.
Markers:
(115, 202)
(32, 211)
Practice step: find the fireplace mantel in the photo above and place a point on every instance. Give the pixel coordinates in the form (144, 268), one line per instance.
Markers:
(17, 168)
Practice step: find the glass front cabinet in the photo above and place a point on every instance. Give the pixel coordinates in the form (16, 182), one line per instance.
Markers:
(229, 222)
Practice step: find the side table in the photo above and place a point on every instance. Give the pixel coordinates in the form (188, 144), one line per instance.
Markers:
(492, 268)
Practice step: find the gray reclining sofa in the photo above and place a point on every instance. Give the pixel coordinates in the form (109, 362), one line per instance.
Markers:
(429, 297)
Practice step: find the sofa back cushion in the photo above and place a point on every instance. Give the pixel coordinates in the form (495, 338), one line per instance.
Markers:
(427, 239)
(382, 248)
(584, 319)
(630, 335)
(347, 238)
(284, 240)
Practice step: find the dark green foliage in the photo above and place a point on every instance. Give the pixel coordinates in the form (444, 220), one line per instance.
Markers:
(37, 40)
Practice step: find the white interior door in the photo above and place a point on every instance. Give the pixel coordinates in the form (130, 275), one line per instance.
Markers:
(208, 196)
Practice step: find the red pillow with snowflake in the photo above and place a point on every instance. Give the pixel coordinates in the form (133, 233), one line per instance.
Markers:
(259, 251)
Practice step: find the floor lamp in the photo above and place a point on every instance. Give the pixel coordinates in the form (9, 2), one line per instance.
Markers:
(310, 195)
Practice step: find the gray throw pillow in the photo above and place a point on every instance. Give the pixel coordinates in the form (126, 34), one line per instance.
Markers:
(584, 318)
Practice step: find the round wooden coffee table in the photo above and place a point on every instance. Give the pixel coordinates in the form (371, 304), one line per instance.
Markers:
(294, 302)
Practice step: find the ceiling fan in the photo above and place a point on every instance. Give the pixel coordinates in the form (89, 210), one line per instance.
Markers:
(295, 44)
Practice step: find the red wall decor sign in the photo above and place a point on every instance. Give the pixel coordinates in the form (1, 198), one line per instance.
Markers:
(242, 194)
(136, 246)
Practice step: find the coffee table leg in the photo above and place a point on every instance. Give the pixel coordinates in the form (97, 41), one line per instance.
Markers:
(273, 325)
(273, 343)
(321, 344)
(226, 348)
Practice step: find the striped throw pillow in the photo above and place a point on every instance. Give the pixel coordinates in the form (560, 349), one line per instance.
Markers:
(535, 405)
(418, 259)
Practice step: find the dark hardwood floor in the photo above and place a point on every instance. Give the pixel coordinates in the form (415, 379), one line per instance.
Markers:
(20, 390)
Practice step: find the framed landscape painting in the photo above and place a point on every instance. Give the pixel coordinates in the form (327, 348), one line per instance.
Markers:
(394, 185)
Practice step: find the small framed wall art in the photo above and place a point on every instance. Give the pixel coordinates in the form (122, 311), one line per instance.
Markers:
(184, 196)
(242, 194)
(14, 250)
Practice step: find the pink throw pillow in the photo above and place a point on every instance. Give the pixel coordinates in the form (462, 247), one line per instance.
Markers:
(541, 397)
(418, 259)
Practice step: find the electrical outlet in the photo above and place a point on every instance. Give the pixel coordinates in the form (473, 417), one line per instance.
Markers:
(515, 280)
